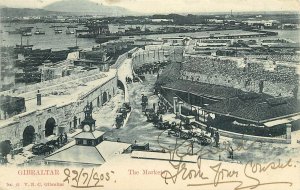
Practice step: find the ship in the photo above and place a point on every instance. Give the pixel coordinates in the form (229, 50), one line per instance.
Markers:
(26, 34)
(69, 31)
(57, 31)
(21, 30)
(23, 49)
(39, 32)
(102, 39)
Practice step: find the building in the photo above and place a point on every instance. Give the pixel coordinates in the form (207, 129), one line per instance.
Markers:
(7, 75)
(246, 97)
(89, 147)
(10, 106)
(162, 20)
(262, 23)
(91, 59)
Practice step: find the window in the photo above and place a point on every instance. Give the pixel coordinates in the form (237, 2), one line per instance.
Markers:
(78, 141)
(84, 142)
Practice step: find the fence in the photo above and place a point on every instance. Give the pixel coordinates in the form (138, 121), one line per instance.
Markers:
(249, 137)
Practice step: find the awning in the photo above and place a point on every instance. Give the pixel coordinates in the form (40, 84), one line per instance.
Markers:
(282, 121)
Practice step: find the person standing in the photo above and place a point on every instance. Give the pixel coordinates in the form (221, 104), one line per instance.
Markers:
(217, 138)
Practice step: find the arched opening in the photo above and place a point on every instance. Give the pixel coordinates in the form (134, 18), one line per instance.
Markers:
(28, 135)
(49, 127)
(104, 98)
(120, 85)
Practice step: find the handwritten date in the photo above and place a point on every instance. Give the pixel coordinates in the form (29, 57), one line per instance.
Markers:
(86, 178)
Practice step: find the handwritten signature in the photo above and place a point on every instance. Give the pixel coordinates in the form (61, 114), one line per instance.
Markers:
(221, 175)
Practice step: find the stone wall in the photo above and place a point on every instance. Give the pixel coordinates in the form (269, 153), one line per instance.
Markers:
(86, 76)
(63, 115)
(152, 55)
(122, 58)
(247, 75)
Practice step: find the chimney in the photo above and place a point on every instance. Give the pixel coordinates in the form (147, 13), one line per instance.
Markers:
(39, 98)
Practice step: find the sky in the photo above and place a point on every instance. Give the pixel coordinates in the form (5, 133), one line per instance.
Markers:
(178, 6)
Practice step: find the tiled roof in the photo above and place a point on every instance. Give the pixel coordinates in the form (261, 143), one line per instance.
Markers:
(259, 109)
(203, 89)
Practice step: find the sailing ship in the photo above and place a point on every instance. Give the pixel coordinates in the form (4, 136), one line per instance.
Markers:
(23, 48)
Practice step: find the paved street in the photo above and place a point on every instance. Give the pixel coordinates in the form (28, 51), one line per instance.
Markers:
(139, 129)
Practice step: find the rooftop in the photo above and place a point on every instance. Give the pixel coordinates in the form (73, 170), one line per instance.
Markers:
(75, 88)
(257, 109)
(203, 89)
(95, 155)
(89, 135)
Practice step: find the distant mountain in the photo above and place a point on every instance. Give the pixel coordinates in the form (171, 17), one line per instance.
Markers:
(86, 7)
(22, 12)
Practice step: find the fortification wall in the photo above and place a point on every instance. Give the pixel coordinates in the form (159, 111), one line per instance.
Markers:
(86, 76)
(154, 54)
(247, 75)
(63, 115)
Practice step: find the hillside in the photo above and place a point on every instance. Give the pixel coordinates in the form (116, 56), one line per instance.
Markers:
(86, 7)
(21, 12)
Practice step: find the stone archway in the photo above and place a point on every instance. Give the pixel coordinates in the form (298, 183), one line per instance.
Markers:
(49, 127)
(120, 85)
(28, 135)
(104, 98)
